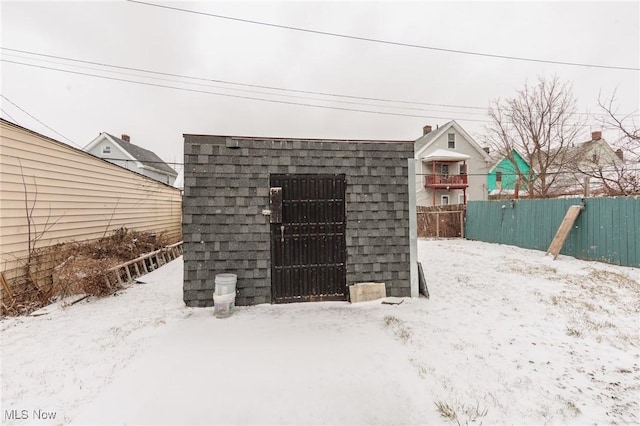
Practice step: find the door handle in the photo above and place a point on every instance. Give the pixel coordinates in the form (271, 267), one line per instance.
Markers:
(282, 232)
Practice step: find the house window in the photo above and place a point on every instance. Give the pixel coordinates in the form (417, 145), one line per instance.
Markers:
(451, 139)
(462, 169)
(444, 200)
(444, 169)
(460, 198)
(106, 149)
(498, 176)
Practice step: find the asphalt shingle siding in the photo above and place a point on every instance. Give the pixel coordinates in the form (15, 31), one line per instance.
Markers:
(227, 189)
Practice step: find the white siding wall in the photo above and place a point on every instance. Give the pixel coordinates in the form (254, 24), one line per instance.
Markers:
(82, 197)
(477, 169)
(164, 178)
(116, 156)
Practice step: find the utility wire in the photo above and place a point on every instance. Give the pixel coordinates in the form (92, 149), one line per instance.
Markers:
(243, 84)
(394, 43)
(254, 98)
(8, 115)
(563, 172)
(247, 90)
(56, 132)
(238, 96)
(259, 86)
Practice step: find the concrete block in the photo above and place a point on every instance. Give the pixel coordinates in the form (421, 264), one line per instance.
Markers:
(363, 292)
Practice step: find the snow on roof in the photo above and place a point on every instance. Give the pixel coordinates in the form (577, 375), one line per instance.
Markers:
(445, 155)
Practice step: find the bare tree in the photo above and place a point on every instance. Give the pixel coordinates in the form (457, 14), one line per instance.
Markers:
(539, 122)
(33, 233)
(618, 174)
(627, 125)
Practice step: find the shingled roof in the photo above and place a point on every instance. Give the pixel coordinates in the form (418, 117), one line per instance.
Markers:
(144, 156)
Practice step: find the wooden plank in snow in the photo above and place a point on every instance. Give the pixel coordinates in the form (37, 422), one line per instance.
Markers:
(564, 229)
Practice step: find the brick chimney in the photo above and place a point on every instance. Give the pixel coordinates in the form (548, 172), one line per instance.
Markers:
(596, 135)
(620, 154)
(426, 129)
(125, 138)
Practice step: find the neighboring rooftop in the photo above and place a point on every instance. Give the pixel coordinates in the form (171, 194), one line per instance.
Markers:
(146, 157)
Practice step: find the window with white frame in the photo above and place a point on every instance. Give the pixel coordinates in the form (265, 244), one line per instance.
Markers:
(460, 198)
(106, 149)
(462, 169)
(444, 200)
(451, 139)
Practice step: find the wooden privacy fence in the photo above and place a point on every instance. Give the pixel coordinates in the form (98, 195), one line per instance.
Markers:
(441, 221)
(607, 230)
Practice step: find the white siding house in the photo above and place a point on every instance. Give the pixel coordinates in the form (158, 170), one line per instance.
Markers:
(592, 164)
(52, 193)
(122, 152)
(451, 168)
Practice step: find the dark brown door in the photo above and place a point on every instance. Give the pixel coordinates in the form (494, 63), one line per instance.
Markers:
(308, 249)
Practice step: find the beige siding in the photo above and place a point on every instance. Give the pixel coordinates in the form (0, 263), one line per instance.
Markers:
(73, 195)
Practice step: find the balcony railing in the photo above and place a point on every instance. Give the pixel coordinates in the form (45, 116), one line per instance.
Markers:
(446, 181)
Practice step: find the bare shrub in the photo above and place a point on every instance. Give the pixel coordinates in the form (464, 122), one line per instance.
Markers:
(446, 411)
(77, 268)
(399, 328)
(403, 333)
(83, 275)
(573, 332)
(461, 413)
(573, 407)
(391, 320)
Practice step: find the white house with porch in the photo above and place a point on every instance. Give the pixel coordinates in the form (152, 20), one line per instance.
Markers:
(451, 168)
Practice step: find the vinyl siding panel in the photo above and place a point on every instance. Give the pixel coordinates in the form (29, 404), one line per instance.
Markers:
(477, 168)
(74, 195)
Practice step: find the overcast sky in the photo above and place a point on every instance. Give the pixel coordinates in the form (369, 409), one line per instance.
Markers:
(435, 86)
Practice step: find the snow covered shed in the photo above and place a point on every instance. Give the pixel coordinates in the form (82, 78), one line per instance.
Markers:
(296, 219)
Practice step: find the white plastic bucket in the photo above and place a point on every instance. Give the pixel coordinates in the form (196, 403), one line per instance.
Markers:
(223, 304)
(225, 284)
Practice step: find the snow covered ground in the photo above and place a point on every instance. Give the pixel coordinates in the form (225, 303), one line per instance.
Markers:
(509, 336)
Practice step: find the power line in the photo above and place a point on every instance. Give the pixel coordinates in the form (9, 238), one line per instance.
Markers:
(548, 173)
(244, 84)
(8, 115)
(247, 90)
(174, 163)
(260, 86)
(393, 43)
(251, 97)
(56, 132)
(238, 96)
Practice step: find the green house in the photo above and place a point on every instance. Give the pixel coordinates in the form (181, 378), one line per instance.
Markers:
(502, 178)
